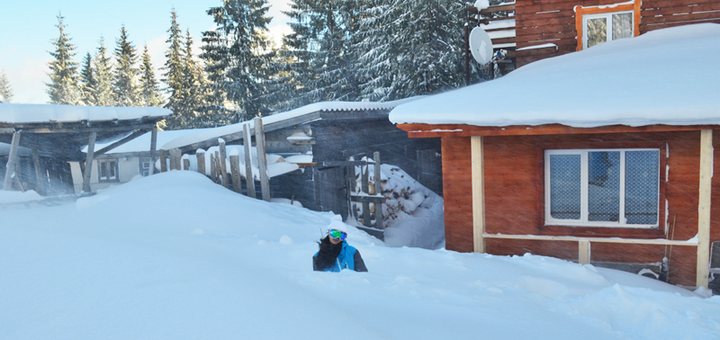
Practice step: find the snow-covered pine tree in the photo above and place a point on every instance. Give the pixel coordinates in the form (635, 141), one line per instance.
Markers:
(63, 87)
(196, 90)
(173, 75)
(6, 92)
(104, 95)
(411, 48)
(237, 54)
(321, 44)
(87, 81)
(149, 91)
(125, 80)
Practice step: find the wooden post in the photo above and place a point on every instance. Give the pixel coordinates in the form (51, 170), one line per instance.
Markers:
(200, 154)
(163, 161)
(89, 162)
(378, 191)
(235, 172)
(213, 172)
(218, 177)
(40, 177)
(478, 193)
(175, 155)
(584, 252)
(262, 159)
(706, 172)
(186, 163)
(223, 163)
(153, 149)
(365, 185)
(12, 159)
(249, 178)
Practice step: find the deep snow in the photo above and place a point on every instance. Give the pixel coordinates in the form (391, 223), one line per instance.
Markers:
(174, 256)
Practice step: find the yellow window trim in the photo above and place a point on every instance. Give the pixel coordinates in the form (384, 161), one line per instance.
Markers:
(580, 11)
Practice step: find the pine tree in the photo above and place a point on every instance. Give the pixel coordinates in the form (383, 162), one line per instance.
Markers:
(173, 75)
(125, 80)
(238, 57)
(411, 48)
(321, 44)
(63, 87)
(6, 93)
(87, 81)
(149, 91)
(104, 95)
(195, 89)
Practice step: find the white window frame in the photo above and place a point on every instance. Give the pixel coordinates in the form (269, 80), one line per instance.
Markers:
(608, 28)
(102, 178)
(584, 183)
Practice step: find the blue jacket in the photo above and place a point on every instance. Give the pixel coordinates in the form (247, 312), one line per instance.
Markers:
(349, 258)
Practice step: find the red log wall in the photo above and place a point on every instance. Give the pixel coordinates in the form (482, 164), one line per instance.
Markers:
(540, 22)
(514, 197)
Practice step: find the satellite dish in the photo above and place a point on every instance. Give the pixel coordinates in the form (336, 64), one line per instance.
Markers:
(481, 46)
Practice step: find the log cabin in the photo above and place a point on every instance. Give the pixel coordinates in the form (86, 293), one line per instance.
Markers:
(601, 156)
(531, 30)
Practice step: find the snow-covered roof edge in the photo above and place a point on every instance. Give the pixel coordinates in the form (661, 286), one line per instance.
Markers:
(47, 113)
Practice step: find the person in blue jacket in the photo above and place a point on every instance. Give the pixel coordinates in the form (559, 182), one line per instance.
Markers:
(335, 253)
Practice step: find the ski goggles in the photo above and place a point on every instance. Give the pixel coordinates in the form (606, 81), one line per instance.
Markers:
(337, 234)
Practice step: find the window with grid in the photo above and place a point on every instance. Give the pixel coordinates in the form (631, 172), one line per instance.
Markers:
(602, 188)
(108, 170)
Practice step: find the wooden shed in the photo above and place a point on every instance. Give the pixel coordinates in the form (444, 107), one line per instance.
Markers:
(602, 156)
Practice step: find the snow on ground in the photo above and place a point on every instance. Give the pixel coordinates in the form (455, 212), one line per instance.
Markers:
(175, 256)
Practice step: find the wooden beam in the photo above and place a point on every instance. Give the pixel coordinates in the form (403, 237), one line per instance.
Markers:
(249, 178)
(153, 148)
(584, 252)
(704, 207)
(223, 163)
(378, 191)
(201, 162)
(89, 162)
(367, 198)
(262, 159)
(12, 159)
(464, 130)
(478, 194)
(135, 134)
(656, 241)
(40, 175)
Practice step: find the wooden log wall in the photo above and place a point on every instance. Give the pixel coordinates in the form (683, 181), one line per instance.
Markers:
(514, 198)
(540, 22)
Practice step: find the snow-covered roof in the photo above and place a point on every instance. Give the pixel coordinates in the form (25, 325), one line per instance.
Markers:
(208, 134)
(142, 143)
(44, 113)
(669, 76)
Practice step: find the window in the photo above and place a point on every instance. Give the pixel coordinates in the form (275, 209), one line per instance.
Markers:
(145, 164)
(108, 170)
(600, 24)
(602, 188)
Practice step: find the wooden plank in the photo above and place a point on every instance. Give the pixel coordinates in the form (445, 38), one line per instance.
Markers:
(213, 168)
(223, 164)
(200, 155)
(135, 134)
(153, 149)
(659, 242)
(463, 130)
(89, 162)
(186, 163)
(365, 185)
(704, 208)
(163, 161)
(584, 252)
(40, 174)
(262, 159)
(175, 156)
(235, 173)
(379, 220)
(478, 194)
(249, 178)
(367, 199)
(12, 159)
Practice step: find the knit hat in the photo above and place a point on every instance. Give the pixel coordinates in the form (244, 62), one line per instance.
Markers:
(336, 223)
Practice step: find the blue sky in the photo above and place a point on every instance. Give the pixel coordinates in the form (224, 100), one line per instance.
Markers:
(28, 27)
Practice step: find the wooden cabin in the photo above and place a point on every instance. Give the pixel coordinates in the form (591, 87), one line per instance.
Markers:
(44, 139)
(602, 156)
(328, 135)
(549, 28)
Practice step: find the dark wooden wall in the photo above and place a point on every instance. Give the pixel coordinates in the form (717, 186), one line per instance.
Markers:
(540, 22)
(515, 197)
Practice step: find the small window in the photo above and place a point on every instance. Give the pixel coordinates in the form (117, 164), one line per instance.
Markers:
(599, 24)
(145, 164)
(602, 188)
(108, 170)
